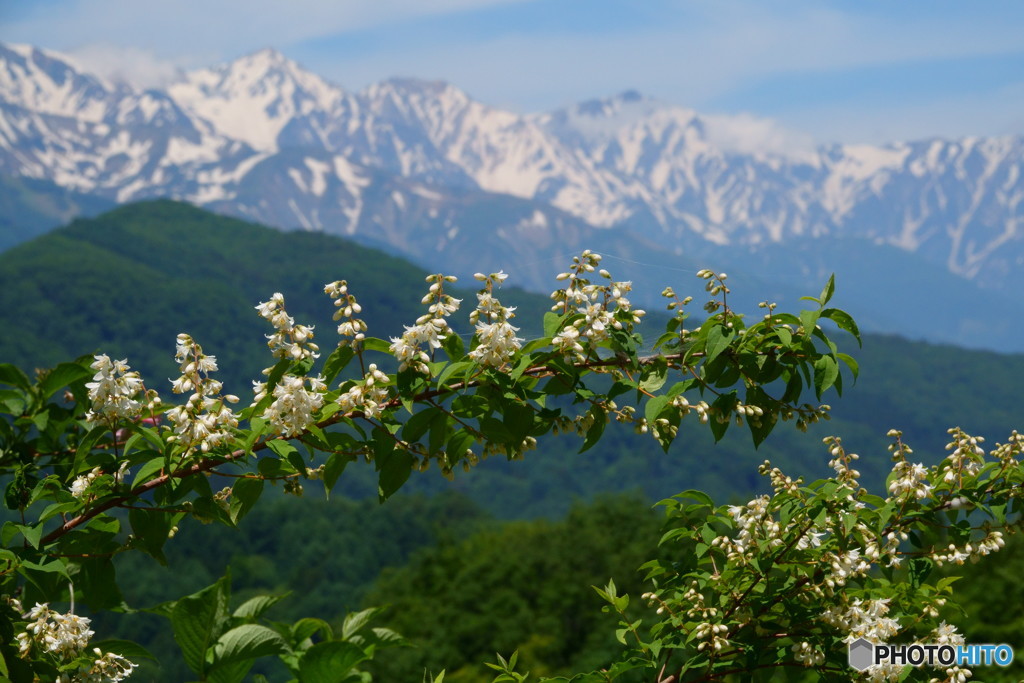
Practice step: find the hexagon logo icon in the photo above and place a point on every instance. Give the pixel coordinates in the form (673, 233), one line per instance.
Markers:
(861, 654)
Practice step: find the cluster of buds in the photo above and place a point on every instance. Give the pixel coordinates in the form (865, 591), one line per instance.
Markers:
(205, 420)
(497, 342)
(429, 329)
(714, 286)
(289, 340)
(113, 390)
(841, 462)
(351, 327)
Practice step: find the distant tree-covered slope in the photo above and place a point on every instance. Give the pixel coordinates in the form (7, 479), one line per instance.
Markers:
(128, 281)
(32, 206)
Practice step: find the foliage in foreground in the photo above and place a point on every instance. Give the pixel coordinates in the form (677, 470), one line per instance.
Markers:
(779, 583)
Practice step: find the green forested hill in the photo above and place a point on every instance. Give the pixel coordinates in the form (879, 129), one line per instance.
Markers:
(127, 282)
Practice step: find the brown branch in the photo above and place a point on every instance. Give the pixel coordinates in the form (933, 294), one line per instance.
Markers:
(208, 465)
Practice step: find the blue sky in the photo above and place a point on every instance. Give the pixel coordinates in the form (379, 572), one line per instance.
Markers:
(852, 71)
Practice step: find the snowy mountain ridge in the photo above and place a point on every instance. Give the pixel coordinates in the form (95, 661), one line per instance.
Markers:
(263, 138)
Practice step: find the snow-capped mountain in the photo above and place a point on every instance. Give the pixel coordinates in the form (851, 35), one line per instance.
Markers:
(422, 167)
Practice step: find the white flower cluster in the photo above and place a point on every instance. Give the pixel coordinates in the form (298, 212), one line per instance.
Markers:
(807, 654)
(845, 566)
(598, 305)
(113, 390)
(204, 421)
(80, 486)
(429, 329)
(992, 542)
(965, 460)
(83, 481)
(290, 340)
(368, 397)
(910, 480)
(108, 668)
(754, 523)
(294, 404)
(348, 308)
(64, 635)
(497, 342)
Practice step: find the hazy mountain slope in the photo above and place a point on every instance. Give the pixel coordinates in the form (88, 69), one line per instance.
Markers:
(263, 138)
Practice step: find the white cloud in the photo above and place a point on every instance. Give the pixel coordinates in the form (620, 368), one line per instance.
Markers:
(136, 66)
(228, 27)
(748, 134)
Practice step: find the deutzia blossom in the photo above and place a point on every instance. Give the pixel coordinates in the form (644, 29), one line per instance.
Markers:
(496, 338)
(602, 308)
(294, 405)
(205, 421)
(368, 397)
(113, 390)
(60, 634)
(348, 308)
(290, 340)
(909, 480)
(429, 329)
(109, 668)
(83, 481)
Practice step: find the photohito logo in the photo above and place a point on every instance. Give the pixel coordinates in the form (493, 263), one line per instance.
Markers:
(863, 654)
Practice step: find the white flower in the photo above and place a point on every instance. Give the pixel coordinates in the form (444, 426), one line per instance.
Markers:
(498, 343)
(113, 390)
(294, 405)
(83, 481)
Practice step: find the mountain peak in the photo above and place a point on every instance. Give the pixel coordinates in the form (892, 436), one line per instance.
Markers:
(254, 97)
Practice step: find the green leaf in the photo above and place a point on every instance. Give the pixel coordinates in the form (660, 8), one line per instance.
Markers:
(253, 608)
(244, 495)
(828, 291)
(125, 648)
(654, 407)
(355, 621)
(717, 341)
(150, 529)
(333, 468)
(844, 321)
(850, 363)
(375, 344)
(418, 424)
(596, 428)
(918, 570)
(654, 377)
(825, 372)
(61, 376)
(336, 362)
(329, 662)
(552, 322)
(809, 320)
(394, 465)
(13, 376)
(246, 642)
(197, 622)
(282, 448)
(307, 627)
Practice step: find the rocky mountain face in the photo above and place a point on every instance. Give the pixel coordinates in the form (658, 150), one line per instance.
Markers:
(422, 168)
